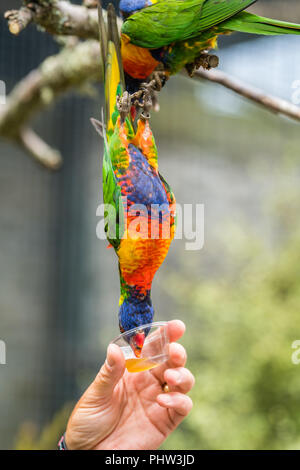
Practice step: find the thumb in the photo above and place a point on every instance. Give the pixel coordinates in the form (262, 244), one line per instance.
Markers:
(110, 373)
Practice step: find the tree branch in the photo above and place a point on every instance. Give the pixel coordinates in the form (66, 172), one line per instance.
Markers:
(77, 65)
(72, 67)
(271, 103)
(55, 16)
(18, 19)
(38, 149)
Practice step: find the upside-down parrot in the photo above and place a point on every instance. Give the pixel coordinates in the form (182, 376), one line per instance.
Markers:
(173, 34)
(139, 203)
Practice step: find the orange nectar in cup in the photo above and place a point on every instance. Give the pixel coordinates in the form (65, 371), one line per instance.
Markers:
(155, 350)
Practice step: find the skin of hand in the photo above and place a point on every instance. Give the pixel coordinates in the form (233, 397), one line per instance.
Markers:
(123, 410)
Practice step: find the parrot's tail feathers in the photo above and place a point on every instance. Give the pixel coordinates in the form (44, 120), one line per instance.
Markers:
(248, 23)
(102, 37)
(114, 81)
(114, 37)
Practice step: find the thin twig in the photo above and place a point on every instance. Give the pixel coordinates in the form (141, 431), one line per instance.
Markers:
(271, 103)
(39, 149)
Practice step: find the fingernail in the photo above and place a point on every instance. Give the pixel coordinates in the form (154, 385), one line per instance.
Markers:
(109, 356)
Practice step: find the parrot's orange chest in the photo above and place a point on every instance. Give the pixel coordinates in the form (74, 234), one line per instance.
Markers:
(137, 61)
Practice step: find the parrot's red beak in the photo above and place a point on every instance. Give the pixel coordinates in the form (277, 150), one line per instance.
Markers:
(137, 343)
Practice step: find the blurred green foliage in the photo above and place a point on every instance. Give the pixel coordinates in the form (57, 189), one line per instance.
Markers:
(247, 388)
(29, 437)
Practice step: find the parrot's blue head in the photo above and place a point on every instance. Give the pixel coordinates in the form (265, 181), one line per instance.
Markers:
(132, 314)
(128, 7)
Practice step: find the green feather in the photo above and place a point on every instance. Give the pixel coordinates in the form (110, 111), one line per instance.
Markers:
(113, 211)
(169, 21)
(249, 23)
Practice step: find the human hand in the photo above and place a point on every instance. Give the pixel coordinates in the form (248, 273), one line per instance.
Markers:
(123, 410)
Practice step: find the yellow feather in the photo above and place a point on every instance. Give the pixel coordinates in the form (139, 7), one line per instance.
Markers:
(112, 81)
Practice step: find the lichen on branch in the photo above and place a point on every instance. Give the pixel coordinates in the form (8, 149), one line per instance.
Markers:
(56, 17)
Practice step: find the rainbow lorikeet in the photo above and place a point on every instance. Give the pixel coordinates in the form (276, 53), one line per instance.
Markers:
(172, 34)
(139, 204)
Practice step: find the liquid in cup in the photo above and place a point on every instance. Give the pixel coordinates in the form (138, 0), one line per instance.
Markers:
(155, 350)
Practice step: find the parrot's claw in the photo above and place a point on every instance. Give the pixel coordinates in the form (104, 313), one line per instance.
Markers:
(205, 60)
(124, 105)
(143, 99)
(157, 80)
(146, 97)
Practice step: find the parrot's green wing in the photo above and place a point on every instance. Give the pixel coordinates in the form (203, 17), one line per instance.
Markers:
(248, 23)
(169, 21)
(113, 210)
(170, 195)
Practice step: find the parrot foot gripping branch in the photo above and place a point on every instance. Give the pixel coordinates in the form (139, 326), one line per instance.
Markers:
(205, 60)
(144, 99)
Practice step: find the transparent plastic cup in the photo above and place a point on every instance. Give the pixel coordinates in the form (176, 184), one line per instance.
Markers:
(155, 349)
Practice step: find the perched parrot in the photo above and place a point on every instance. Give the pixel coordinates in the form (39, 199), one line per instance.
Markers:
(172, 34)
(139, 203)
